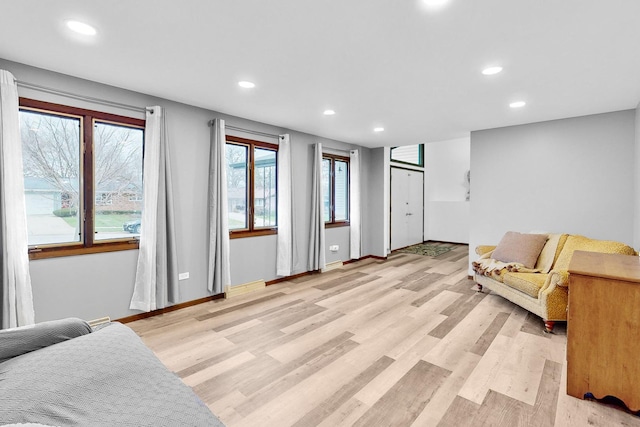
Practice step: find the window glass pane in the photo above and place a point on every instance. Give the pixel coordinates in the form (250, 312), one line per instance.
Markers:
(51, 161)
(408, 154)
(264, 189)
(342, 190)
(237, 156)
(326, 189)
(117, 166)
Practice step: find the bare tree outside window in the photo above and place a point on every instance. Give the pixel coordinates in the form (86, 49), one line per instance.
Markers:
(54, 184)
(51, 161)
(251, 186)
(117, 174)
(264, 192)
(236, 157)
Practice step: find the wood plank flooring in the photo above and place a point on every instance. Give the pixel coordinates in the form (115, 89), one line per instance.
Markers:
(402, 342)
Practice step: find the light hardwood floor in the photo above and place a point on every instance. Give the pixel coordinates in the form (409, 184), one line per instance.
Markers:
(402, 342)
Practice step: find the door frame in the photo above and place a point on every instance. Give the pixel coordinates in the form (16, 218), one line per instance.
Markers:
(391, 199)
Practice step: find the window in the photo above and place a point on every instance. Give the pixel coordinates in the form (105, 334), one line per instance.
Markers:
(82, 179)
(335, 188)
(251, 187)
(410, 154)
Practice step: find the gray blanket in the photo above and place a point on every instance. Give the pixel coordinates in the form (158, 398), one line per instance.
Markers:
(104, 378)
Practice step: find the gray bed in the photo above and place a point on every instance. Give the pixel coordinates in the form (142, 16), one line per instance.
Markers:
(63, 373)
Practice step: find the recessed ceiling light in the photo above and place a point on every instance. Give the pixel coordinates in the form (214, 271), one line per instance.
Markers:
(246, 84)
(329, 112)
(378, 129)
(491, 70)
(434, 3)
(517, 104)
(81, 28)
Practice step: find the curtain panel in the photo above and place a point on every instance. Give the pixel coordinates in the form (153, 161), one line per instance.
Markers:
(286, 253)
(219, 270)
(16, 308)
(355, 220)
(156, 283)
(317, 260)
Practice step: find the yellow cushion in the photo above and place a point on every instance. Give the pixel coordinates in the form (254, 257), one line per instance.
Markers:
(483, 249)
(581, 243)
(529, 283)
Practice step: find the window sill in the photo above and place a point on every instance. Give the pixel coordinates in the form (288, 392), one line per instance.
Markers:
(336, 224)
(74, 250)
(254, 233)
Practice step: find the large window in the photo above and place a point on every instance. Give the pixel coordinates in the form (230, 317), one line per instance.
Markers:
(251, 186)
(335, 182)
(82, 179)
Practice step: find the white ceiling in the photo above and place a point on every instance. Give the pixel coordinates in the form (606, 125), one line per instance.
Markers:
(389, 63)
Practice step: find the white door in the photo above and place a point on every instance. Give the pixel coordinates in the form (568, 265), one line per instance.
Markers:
(407, 207)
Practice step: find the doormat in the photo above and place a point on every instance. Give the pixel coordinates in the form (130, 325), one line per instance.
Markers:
(426, 249)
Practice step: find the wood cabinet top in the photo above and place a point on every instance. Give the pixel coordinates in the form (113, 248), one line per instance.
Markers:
(608, 266)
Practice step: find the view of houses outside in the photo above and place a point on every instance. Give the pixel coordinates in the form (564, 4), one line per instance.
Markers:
(53, 178)
(264, 188)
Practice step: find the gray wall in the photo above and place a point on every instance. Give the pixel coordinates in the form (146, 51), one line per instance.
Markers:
(373, 211)
(572, 176)
(91, 286)
(636, 180)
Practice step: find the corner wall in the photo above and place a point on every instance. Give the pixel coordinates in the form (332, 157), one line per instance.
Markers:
(573, 176)
(446, 216)
(376, 210)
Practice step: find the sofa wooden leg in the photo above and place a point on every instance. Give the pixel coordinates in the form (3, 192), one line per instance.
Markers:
(548, 326)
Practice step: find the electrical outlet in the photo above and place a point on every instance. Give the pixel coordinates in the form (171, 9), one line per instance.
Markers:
(334, 248)
(183, 276)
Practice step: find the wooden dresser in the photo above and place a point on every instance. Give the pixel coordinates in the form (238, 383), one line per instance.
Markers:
(603, 327)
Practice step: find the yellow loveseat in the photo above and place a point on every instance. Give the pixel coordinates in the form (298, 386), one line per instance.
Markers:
(541, 289)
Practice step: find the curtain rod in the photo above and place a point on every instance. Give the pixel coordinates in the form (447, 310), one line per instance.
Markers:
(337, 151)
(254, 132)
(80, 97)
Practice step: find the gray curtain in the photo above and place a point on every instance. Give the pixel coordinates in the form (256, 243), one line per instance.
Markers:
(316, 236)
(156, 284)
(16, 306)
(219, 272)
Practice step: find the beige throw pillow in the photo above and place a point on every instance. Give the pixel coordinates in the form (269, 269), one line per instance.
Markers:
(520, 247)
(548, 253)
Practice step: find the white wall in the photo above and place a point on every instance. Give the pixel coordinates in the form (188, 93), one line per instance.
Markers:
(446, 163)
(91, 286)
(573, 176)
(446, 209)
